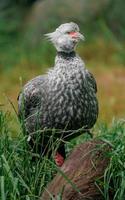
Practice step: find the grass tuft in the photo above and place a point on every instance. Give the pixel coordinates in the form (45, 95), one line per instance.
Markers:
(23, 179)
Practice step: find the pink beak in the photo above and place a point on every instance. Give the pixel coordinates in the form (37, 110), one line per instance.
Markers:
(73, 34)
(76, 35)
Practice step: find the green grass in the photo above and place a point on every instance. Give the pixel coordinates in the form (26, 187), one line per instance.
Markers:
(20, 177)
(114, 177)
(23, 179)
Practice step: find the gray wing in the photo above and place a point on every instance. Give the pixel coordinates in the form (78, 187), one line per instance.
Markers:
(91, 80)
(32, 97)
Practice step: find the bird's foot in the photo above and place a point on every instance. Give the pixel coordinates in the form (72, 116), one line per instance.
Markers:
(59, 160)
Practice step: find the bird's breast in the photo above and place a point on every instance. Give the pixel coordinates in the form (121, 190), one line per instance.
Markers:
(70, 97)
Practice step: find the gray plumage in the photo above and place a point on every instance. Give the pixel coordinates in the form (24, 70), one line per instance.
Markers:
(64, 98)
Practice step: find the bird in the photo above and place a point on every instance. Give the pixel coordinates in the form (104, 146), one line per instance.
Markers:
(64, 98)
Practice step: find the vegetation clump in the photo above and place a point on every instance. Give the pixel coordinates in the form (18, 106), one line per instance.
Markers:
(22, 178)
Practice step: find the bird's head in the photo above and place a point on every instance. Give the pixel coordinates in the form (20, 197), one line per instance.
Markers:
(65, 37)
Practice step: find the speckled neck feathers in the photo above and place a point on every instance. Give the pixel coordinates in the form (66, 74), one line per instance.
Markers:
(68, 60)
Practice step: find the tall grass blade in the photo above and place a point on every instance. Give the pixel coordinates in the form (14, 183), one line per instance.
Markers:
(3, 196)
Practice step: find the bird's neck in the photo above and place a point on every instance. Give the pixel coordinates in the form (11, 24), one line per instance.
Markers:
(68, 60)
(65, 54)
(63, 58)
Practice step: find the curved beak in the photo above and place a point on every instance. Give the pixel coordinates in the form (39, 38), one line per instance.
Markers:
(80, 36)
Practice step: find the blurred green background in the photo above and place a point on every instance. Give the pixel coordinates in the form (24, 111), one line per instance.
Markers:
(25, 53)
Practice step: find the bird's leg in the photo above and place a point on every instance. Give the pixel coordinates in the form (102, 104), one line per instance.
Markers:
(60, 155)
